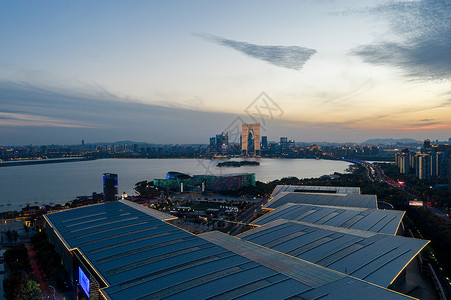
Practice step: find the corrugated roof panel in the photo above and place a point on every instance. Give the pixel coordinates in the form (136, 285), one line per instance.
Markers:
(284, 239)
(352, 200)
(357, 291)
(319, 217)
(279, 290)
(325, 250)
(164, 275)
(201, 256)
(301, 188)
(331, 287)
(106, 249)
(247, 286)
(378, 258)
(339, 254)
(391, 223)
(344, 215)
(302, 271)
(222, 284)
(175, 244)
(164, 261)
(382, 221)
(132, 262)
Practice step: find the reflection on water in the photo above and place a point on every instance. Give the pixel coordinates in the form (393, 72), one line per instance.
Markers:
(59, 183)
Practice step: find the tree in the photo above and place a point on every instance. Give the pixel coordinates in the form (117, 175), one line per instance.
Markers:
(32, 290)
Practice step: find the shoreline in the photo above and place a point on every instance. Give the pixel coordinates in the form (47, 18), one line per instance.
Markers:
(100, 166)
(41, 161)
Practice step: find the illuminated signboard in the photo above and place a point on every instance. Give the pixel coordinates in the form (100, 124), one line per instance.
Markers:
(83, 281)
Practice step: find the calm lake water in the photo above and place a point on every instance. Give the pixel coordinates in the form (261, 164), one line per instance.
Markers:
(62, 182)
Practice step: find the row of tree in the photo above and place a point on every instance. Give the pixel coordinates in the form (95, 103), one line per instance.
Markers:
(20, 283)
(50, 261)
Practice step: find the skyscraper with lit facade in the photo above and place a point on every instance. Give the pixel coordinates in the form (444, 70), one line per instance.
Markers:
(110, 187)
(250, 139)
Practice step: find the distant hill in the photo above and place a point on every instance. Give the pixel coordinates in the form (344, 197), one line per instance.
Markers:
(138, 143)
(389, 141)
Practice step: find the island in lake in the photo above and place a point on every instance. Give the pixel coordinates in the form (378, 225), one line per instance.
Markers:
(237, 164)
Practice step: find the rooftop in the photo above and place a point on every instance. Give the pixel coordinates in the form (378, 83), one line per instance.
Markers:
(316, 189)
(373, 257)
(348, 200)
(141, 257)
(367, 219)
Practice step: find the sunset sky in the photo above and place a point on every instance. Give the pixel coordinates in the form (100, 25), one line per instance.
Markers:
(182, 71)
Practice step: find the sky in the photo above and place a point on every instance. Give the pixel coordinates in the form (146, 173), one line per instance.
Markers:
(182, 71)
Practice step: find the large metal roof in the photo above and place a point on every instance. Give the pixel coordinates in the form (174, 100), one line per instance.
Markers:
(315, 189)
(348, 200)
(373, 257)
(324, 283)
(141, 257)
(368, 219)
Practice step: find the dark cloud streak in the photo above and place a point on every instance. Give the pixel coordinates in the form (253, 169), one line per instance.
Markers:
(290, 57)
(33, 115)
(44, 116)
(424, 50)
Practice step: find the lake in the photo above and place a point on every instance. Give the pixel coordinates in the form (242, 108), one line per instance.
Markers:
(62, 182)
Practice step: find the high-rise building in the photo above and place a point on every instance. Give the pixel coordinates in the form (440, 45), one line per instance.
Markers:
(287, 147)
(264, 143)
(212, 145)
(431, 162)
(402, 160)
(435, 160)
(422, 166)
(405, 161)
(427, 147)
(218, 143)
(250, 139)
(109, 187)
(225, 143)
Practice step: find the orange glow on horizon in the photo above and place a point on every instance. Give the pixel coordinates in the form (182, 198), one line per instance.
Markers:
(427, 127)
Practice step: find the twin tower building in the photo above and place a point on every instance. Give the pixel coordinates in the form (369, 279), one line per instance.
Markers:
(226, 143)
(250, 139)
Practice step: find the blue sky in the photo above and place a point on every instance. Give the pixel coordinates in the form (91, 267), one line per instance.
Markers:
(180, 71)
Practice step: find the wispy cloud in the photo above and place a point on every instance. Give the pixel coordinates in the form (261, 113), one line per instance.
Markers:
(426, 123)
(21, 119)
(290, 57)
(423, 49)
(436, 127)
(32, 114)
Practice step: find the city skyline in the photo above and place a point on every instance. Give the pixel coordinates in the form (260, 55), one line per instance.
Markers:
(180, 72)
